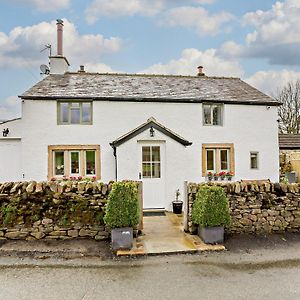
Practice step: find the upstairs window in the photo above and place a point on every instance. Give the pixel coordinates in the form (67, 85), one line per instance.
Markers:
(72, 112)
(213, 114)
(254, 160)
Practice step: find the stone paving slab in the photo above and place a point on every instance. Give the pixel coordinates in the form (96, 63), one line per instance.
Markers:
(165, 235)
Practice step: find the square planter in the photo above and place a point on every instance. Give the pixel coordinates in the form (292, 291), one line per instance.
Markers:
(211, 235)
(122, 238)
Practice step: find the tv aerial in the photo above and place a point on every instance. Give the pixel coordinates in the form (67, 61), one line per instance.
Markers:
(45, 69)
(47, 47)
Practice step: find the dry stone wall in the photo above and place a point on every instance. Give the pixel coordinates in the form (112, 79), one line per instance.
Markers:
(53, 210)
(257, 208)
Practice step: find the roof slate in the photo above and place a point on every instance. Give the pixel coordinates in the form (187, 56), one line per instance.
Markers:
(289, 141)
(142, 87)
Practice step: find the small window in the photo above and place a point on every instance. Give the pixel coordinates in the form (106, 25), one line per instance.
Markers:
(151, 162)
(254, 160)
(212, 114)
(74, 113)
(224, 159)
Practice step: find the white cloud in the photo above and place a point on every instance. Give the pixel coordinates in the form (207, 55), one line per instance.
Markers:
(46, 5)
(198, 19)
(276, 35)
(10, 108)
(99, 68)
(191, 58)
(270, 82)
(21, 47)
(116, 8)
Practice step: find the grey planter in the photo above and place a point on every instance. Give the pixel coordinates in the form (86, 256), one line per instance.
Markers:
(211, 235)
(122, 238)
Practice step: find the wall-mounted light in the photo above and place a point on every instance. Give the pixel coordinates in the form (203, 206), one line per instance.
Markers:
(151, 132)
(5, 132)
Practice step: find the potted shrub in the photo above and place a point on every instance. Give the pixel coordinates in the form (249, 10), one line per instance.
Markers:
(177, 204)
(122, 214)
(211, 213)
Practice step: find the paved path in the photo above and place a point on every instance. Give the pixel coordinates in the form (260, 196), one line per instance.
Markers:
(164, 235)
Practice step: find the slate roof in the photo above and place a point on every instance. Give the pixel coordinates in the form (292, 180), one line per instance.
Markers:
(150, 88)
(289, 141)
(151, 122)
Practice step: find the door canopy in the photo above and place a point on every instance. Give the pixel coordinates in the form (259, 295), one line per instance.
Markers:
(150, 125)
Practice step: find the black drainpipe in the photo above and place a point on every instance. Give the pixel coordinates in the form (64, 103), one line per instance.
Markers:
(116, 160)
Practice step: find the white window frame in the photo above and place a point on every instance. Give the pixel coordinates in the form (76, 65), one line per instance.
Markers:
(214, 159)
(54, 165)
(212, 106)
(79, 162)
(228, 160)
(85, 161)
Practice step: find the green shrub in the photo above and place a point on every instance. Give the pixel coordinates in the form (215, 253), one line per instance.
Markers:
(123, 206)
(211, 207)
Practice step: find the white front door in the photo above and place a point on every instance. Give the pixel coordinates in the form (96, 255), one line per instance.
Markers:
(152, 173)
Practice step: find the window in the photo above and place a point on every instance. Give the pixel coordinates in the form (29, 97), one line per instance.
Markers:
(74, 113)
(217, 158)
(74, 160)
(151, 161)
(254, 160)
(212, 114)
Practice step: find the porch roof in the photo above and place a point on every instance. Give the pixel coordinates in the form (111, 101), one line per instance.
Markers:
(151, 122)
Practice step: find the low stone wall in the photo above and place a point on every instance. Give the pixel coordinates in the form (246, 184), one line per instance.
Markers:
(53, 210)
(256, 208)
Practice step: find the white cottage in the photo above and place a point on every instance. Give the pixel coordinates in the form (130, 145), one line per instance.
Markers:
(161, 129)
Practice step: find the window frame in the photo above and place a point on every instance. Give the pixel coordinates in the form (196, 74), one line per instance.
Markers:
(211, 106)
(69, 102)
(67, 149)
(257, 160)
(217, 157)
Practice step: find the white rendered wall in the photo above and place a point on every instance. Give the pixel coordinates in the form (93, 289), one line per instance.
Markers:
(248, 127)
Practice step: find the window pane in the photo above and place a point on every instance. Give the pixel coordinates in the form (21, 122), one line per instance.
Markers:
(75, 105)
(146, 153)
(217, 115)
(254, 160)
(75, 116)
(90, 162)
(156, 153)
(207, 114)
(146, 170)
(59, 165)
(155, 170)
(64, 112)
(210, 165)
(86, 112)
(74, 162)
(224, 159)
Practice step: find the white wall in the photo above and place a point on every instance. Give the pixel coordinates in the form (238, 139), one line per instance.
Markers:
(249, 127)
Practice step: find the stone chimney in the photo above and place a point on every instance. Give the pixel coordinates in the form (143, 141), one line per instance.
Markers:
(58, 63)
(200, 71)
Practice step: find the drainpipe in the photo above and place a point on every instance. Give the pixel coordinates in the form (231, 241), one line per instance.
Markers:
(116, 160)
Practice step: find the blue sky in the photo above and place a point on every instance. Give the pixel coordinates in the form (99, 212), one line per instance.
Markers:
(256, 40)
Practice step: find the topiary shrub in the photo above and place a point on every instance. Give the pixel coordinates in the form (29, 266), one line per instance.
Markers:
(123, 206)
(211, 207)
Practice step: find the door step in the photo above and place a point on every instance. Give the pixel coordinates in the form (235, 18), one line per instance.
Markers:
(154, 212)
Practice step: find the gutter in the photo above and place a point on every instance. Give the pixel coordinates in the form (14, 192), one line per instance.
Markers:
(116, 160)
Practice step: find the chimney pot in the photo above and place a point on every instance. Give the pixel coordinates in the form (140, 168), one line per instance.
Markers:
(200, 71)
(59, 24)
(81, 69)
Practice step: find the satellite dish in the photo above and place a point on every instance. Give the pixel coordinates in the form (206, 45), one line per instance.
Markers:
(45, 69)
